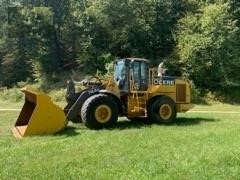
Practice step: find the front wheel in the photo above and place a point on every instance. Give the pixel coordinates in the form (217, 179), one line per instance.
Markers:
(162, 110)
(99, 111)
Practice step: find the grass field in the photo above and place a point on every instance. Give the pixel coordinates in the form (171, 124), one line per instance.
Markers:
(200, 145)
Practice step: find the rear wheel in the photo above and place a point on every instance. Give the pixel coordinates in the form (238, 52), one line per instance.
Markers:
(99, 111)
(162, 110)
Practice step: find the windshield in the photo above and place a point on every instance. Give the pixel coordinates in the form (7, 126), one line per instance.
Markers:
(119, 69)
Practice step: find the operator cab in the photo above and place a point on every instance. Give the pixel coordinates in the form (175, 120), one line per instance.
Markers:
(134, 70)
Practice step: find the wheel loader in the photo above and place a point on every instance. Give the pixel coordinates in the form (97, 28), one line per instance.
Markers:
(135, 91)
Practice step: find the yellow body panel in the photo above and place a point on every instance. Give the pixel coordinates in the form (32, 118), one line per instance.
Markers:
(136, 106)
(169, 91)
(112, 87)
(38, 116)
(184, 107)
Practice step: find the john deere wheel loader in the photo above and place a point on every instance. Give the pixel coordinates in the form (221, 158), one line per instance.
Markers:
(135, 91)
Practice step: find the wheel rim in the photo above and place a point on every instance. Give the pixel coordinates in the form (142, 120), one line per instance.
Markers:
(165, 111)
(103, 113)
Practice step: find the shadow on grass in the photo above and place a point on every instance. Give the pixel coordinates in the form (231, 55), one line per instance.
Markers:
(68, 131)
(126, 124)
(183, 121)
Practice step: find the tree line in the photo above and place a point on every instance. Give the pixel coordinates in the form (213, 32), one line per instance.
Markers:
(197, 39)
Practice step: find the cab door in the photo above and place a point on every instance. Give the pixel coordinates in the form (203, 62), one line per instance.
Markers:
(139, 75)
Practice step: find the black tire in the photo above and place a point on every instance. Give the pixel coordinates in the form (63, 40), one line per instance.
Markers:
(77, 119)
(99, 111)
(162, 110)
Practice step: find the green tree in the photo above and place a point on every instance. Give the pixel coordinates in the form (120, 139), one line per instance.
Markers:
(14, 65)
(208, 47)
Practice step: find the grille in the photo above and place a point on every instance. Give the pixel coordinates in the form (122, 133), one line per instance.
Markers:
(181, 92)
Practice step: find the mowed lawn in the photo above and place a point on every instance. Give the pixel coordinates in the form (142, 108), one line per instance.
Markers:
(200, 145)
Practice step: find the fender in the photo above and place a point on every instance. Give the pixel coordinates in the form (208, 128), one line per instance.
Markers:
(76, 107)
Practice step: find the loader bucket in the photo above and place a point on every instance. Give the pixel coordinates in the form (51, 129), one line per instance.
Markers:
(39, 116)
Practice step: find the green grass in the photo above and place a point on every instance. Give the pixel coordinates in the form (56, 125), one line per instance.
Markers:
(197, 146)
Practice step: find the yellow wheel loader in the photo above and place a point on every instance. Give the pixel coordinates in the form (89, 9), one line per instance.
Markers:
(134, 91)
